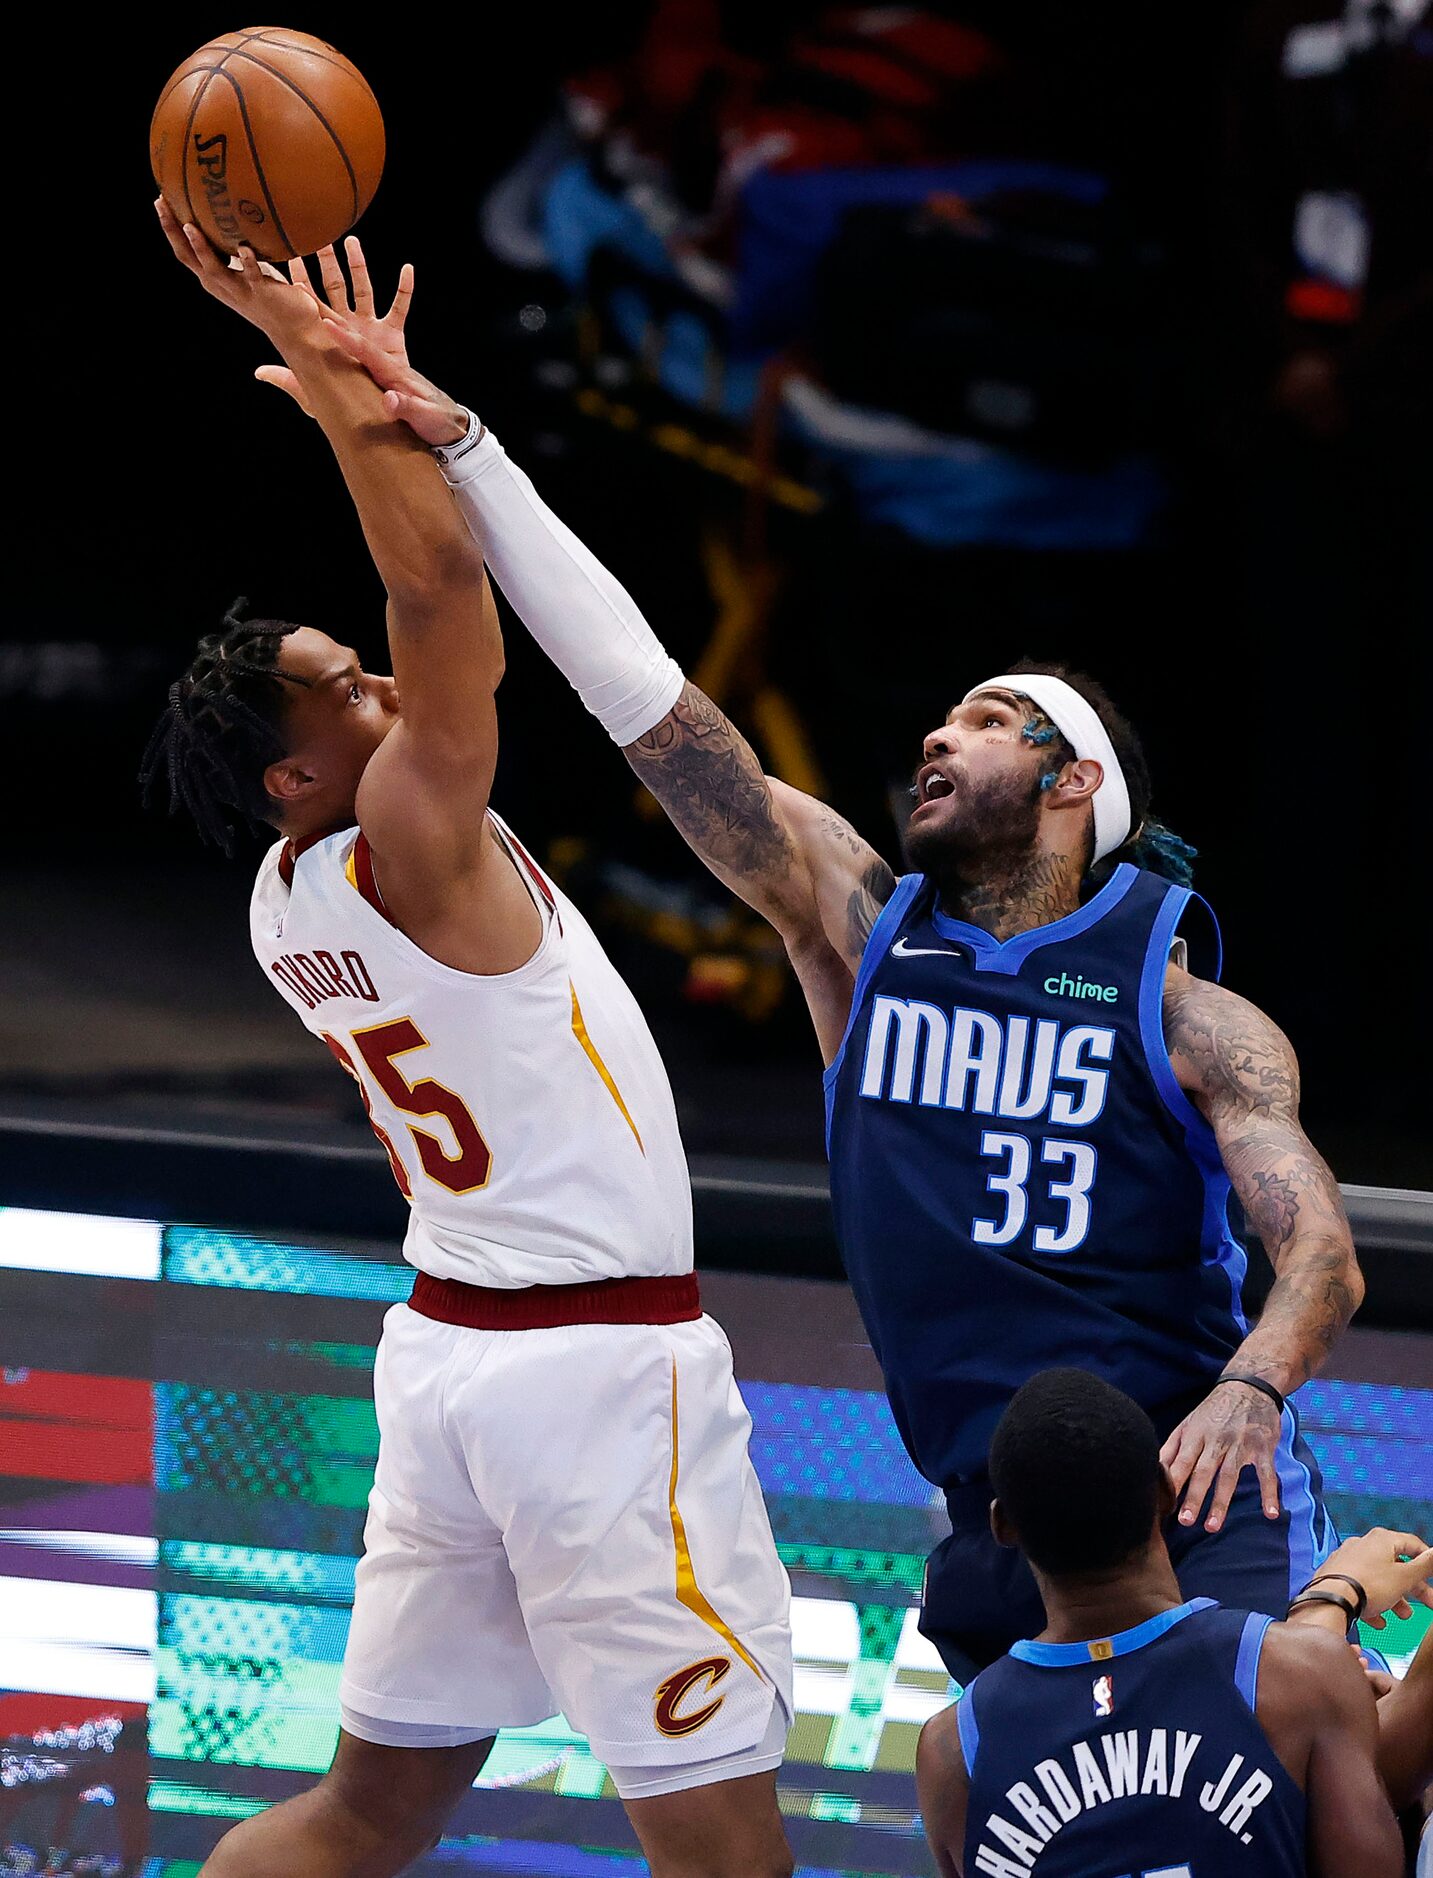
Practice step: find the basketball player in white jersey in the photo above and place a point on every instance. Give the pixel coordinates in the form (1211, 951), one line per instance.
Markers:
(564, 1514)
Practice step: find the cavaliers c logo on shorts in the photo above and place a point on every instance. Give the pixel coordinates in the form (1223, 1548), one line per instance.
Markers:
(708, 1673)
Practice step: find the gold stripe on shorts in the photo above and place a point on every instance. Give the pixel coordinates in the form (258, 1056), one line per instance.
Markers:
(689, 1592)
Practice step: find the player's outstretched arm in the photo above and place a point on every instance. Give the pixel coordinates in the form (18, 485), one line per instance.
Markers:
(791, 858)
(1393, 1570)
(423, 795)
(795, 860)
(1238, 1069)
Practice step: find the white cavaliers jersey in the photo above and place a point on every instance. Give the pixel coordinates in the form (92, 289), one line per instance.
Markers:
(527, 1114)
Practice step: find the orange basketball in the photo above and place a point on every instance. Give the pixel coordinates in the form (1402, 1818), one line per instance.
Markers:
(270, 138)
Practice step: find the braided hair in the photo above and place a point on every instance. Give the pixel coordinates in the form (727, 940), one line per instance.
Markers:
(221, 728)
(1150, 844)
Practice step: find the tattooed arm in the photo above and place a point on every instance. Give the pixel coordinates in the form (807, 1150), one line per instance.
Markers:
(788, 856)
(797, 862)
(1238, 1069)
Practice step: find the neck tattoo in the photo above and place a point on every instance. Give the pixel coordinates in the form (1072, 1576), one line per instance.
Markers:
(1015, 894)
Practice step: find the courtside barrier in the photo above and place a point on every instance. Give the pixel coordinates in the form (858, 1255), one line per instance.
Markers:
(751, 1215)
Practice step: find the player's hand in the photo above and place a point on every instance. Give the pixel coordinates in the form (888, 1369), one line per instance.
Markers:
(1234, 1427)
(1378, 1680)
(256, 291)
(1394, 1568)
(376, 342)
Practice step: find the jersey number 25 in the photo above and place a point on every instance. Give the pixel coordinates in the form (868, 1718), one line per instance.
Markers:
(465, 1171)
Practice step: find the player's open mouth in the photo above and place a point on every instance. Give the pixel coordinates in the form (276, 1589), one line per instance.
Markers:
(932, 784)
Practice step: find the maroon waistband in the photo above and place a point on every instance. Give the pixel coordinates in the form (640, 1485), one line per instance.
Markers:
(675, 1300)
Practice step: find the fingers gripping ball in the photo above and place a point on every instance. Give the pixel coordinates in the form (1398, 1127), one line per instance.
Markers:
(270, 138)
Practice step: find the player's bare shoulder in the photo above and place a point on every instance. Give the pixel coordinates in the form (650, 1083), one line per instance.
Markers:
(1308, 1679)
(943, 1788)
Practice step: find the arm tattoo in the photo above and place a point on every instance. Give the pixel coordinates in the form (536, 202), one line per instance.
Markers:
(840, 831)
(877, 885)
(1239, 1071)
(871, 892)
(708, 778)
(1313, 1299)
(1242, 1059)
(1273, 1207)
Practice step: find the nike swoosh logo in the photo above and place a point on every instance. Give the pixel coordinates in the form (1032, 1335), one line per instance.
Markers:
(901, 950)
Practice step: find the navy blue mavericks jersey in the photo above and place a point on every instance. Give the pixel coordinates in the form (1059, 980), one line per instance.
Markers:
(1018, 1180)
(1138, 1756)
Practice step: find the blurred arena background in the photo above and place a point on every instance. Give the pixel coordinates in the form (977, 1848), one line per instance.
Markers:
(867, 346)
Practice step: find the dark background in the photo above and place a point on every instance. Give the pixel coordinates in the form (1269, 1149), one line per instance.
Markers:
(1266, 638)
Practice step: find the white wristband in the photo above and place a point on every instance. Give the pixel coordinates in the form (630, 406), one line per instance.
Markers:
(452, 455)
(584, 620)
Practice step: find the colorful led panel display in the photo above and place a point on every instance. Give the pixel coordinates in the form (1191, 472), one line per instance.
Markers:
(181, 1509)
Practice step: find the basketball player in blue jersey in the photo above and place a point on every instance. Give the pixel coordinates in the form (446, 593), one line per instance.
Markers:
(1141, 1732)
(1039, 1098)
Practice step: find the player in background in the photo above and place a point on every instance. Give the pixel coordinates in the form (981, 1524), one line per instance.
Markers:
(1363, 1579)
(1140, 1732)
(1405, 1752)
(564, 1513)
(1036, 1111)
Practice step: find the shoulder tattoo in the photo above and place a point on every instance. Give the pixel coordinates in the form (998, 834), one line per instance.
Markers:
(1239, 1057)
(863, 908)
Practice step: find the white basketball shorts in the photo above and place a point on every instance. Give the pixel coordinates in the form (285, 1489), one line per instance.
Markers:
(568, 1519)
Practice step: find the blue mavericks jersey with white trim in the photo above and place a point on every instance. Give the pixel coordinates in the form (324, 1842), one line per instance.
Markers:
(1140, 1753)
(1018, 1180)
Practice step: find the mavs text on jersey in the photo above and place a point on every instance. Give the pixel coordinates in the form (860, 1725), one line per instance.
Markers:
(1018, 1179)
(1019, 1182)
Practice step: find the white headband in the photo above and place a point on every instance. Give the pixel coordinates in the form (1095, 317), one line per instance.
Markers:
(1079, 723)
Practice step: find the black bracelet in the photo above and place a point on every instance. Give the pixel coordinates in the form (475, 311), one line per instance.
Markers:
(1342, 1578)
(1256, 1382)
(1325, 1597)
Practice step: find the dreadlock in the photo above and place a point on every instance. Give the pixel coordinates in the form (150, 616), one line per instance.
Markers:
(221, 728)
(1150, 844)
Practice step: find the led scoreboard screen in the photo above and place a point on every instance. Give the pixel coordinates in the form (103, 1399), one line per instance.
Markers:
(187, 1441)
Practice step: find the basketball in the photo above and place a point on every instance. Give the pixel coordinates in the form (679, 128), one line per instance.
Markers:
(270, 138)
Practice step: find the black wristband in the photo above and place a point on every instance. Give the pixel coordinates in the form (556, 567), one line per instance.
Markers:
(1325, 1597)
(1256, 1382)
(1343, 1579)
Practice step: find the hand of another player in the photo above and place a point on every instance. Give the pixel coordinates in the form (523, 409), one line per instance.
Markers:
(256, 292)
(1394, 1568)
(1379, 1681)
(376, 342)
(1234, 1427)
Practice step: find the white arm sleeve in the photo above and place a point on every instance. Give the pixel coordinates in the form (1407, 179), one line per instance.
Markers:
(584, 620)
